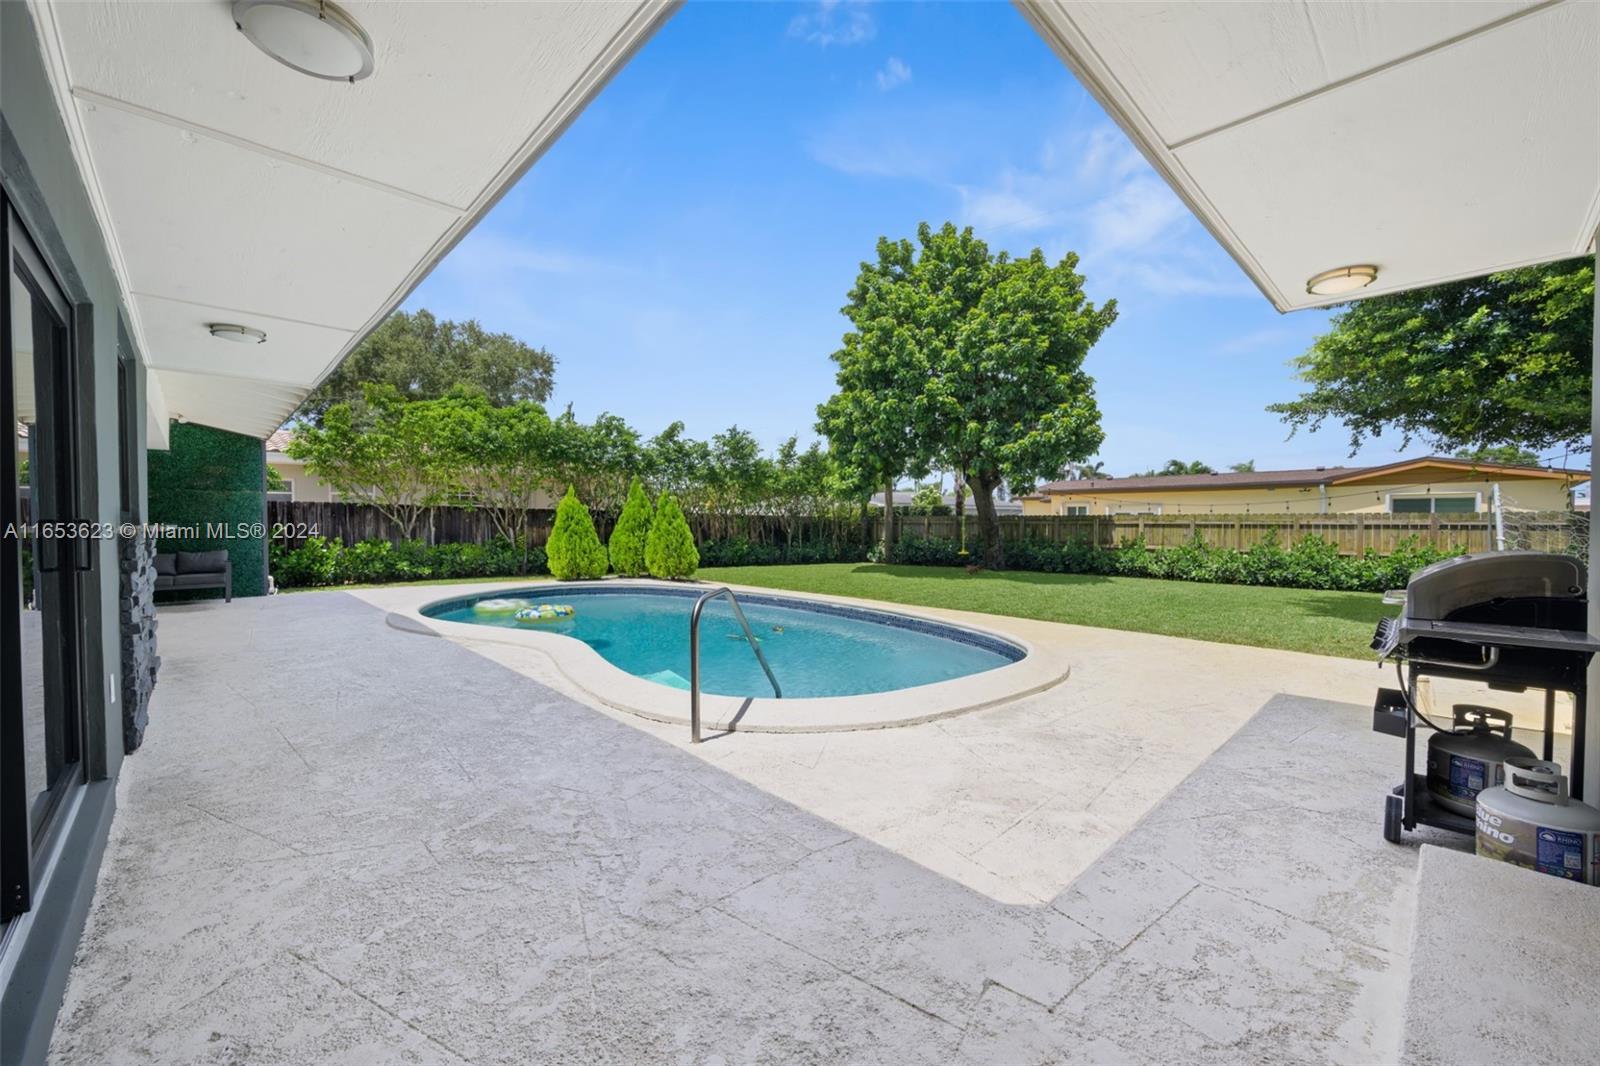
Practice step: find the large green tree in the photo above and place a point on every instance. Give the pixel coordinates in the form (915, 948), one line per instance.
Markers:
(598, 459)
(506, 458)
(1500, 453)
(962, 359)
(423, 358)
(401, 457)
(1502, 359)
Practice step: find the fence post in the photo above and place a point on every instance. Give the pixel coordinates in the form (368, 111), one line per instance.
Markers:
(1499, 515)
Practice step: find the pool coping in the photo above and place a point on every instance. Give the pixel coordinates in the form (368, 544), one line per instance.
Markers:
(620, 690)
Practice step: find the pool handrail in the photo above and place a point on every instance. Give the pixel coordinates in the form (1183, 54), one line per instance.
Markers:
(694, 654)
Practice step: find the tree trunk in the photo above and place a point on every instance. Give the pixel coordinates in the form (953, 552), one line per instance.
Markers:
(994, 550)
(888, 520)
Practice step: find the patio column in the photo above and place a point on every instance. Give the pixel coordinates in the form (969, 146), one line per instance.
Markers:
(1591, 747)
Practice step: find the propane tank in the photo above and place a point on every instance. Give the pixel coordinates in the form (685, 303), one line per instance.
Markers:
(1532, 821)
(1469, 758)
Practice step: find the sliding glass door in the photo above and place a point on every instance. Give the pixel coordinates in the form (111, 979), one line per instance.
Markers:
(41, 727)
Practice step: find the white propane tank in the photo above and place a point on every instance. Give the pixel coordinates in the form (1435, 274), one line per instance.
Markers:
(1531, 821)
(1464, 762)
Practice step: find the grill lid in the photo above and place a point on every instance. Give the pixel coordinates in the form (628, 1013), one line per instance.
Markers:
(1435, 592)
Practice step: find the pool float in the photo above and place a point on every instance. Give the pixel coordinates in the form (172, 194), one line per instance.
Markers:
(498, 606)
(544, 612)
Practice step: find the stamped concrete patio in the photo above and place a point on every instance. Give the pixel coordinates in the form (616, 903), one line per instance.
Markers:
(346, 843)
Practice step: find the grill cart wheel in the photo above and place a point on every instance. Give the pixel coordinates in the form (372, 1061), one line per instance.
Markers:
(1394, 812)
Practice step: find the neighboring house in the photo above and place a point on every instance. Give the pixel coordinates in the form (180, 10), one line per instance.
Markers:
(302, 485)
(903, 498)
(1433, 485)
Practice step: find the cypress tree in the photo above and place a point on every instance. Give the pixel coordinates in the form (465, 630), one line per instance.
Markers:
(574, 549)
(631, 532)
(669, 551)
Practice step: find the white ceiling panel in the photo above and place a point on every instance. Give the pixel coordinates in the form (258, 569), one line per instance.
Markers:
(1437, 141)
(178, 339)
(206, 221)
(1236, 58)
(1315, 185)
(237, 404)
(456, 89)
(233, 189)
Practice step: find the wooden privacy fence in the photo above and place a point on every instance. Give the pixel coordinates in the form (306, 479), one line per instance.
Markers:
(292, 521)
(1354, 534)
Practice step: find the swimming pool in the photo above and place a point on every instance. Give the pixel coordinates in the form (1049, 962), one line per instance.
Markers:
(815, 648)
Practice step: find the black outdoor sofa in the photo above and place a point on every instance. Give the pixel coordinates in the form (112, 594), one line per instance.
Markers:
(186, 571)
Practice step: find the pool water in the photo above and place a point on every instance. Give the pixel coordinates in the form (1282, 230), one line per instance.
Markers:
(814, 649)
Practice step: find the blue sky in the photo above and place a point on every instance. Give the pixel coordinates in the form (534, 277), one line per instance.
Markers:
(684, 249)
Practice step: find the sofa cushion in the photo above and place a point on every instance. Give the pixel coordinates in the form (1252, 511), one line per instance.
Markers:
(211, 580)
(166, 564)
(202, 562)
(166, 581)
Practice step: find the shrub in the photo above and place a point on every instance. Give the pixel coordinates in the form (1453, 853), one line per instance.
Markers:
(741, 551)
(1313, 563)
(320, 562)
(313, 563)
(574, 549)
(669, 551)
(632, 529)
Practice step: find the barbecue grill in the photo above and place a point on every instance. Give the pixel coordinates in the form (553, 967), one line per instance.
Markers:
(1513, 620)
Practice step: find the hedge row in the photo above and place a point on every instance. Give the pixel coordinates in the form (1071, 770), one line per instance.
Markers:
(739, 551)
(1313, 563)
(370, 562)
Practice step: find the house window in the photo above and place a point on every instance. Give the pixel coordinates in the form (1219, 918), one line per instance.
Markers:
(1423, 504)
(1075, 510)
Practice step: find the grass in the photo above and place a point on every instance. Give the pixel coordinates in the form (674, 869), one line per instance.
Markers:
(1324, 623)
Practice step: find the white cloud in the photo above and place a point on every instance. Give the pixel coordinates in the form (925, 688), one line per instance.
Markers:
(487, 252)
(895, 73)
(1134, 216)
(1255, 340)
(835, 22)
(1081, 189)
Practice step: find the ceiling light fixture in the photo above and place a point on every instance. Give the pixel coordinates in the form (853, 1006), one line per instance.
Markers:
(1342, 280)
(312, 36)
(226, 331)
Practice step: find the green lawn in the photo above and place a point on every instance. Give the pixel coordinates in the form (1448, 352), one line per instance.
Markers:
(1326, 623)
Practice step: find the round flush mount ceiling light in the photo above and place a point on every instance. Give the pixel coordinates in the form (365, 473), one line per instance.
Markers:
(237, 334)
(312, 36)
(1342, 280)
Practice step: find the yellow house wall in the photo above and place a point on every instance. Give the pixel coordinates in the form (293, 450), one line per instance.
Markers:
(1528, 494)
(306, 486)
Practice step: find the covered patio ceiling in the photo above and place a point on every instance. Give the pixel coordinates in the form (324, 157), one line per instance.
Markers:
(1432, 140)
(233, 189)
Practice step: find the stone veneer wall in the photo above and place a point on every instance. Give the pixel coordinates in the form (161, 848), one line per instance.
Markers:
(137, 611)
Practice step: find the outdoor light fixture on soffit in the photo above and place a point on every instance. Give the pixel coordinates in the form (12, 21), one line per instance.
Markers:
(1341, 280)
(314, 37)
(227, 331)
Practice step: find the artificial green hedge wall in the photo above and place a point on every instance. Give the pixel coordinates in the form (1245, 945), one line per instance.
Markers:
(214, 484)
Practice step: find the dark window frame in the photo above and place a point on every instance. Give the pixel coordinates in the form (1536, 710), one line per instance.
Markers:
(21, 841)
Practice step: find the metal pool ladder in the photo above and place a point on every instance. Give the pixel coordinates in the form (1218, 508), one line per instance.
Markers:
(694, 654)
